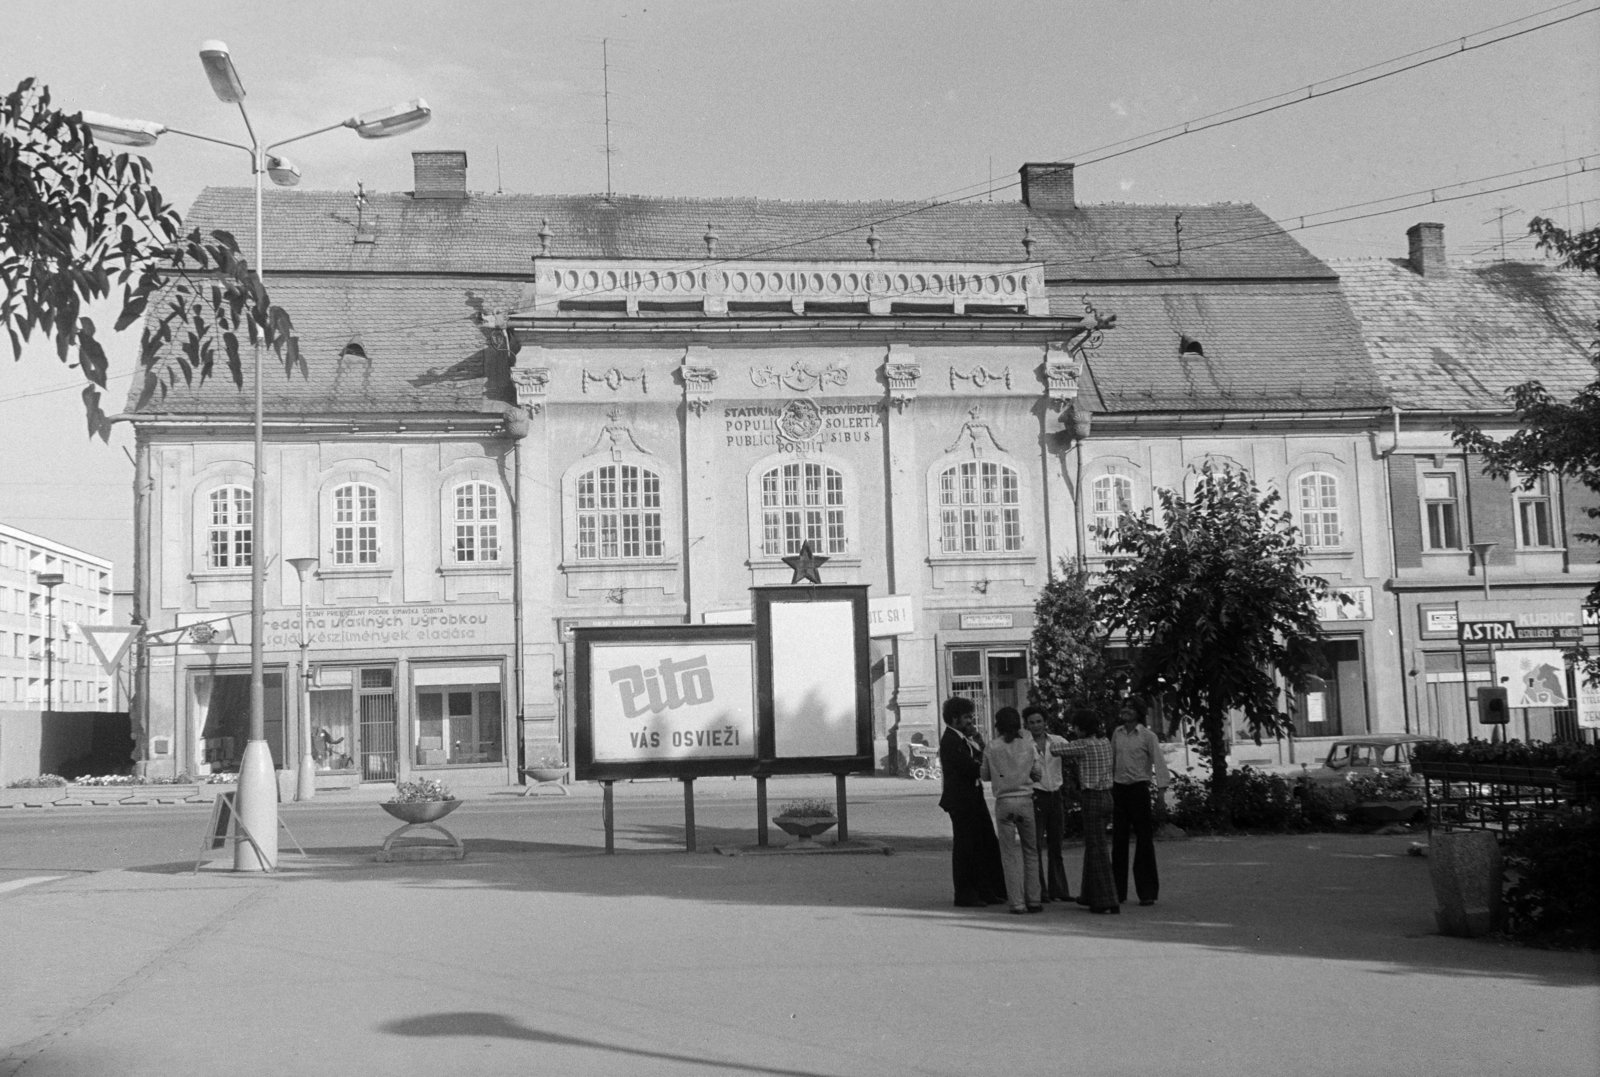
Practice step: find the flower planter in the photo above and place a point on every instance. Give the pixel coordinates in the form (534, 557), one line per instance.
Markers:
(546, 774)
(421, 811)
(805, 827)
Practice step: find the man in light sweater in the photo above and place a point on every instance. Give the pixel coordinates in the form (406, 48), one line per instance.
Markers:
(1011, 766)
(1136, 763)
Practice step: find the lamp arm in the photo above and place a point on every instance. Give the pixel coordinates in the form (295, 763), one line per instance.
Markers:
(208, 138)
(308, 134)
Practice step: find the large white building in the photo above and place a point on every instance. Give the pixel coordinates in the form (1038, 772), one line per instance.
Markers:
(526, 414)
(40, 640)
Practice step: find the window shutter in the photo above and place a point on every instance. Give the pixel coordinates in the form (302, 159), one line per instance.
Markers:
(1407, 511)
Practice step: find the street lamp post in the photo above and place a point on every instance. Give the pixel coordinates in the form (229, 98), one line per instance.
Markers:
(307, 784)
(257, 796)
(1480, 550)
(50, 581)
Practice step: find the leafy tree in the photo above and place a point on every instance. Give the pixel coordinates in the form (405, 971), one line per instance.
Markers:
(1560, 437)
(1217, 606)
(1071, 674)
(77, 222)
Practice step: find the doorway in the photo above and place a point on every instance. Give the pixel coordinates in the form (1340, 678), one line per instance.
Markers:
(353, 721)
(1335, 704)
(991, 676)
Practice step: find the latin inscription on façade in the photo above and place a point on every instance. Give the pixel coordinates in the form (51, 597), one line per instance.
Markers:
(800, 425)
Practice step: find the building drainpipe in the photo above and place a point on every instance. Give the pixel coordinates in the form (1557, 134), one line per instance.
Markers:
(517, 428)
(140, 704)
(1394, 560)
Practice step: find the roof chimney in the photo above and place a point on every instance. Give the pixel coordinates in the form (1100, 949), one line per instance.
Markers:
(440, 174)
(1427, 248)
(1048, 186)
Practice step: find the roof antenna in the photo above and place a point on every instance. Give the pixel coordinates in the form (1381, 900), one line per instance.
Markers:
(499, 184)
(991, 178)
(605, 83)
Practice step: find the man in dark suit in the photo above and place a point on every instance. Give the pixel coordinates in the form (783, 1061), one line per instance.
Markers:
(975, 854)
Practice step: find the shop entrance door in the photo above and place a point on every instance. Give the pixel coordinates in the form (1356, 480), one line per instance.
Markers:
(377, 725)
(992, 677)
(1336, 705)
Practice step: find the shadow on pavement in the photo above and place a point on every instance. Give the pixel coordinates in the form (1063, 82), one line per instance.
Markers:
(479, 1024)
(1327, 896)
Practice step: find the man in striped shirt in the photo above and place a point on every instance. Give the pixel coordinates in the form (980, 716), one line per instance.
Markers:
(1093, 753)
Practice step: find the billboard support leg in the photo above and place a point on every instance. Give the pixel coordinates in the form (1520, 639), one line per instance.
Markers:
(609, 818)
(688, 814)
(844, 815)
(761, 811)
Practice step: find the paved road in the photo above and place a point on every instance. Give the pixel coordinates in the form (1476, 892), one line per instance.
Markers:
(540, 954)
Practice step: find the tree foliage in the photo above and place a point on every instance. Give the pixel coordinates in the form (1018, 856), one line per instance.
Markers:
(1071, 675)
(76, 223)
(1559, 437)
(1217, 606)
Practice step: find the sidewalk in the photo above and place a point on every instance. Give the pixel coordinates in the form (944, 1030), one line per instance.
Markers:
(540, 954)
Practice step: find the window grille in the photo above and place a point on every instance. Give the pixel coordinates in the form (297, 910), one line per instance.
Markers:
(619, 513)
(1319, 511)
(230, 536)
(1111, 499)
(979, 509)
(800, 503)
(477, 523)
(355, 525)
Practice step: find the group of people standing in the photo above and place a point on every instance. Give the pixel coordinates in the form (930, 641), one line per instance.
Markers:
(1016, 859)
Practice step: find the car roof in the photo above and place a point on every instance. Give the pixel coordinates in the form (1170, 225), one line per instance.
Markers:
(1385, 739)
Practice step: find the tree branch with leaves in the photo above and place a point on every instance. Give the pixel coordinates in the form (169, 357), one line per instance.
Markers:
(78, 223)
(1218, 608)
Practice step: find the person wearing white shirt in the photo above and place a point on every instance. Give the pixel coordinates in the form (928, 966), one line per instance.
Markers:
(1049, 806)
(1137, 761)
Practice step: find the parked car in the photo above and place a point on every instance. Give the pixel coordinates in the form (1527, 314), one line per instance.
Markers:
(1354, 755)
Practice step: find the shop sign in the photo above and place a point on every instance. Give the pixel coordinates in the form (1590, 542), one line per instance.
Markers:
(889, 615)
(1510, 632)
(1532, 678)
(366, 627)
(1356, 605)
(1522, 612)
(1588, 703)
(986, 620)
(1439, 621)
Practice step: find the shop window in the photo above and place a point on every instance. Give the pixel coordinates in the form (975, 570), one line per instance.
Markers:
(978, 509)
(230, 531)
(800, 503)
(1534, 529)
(1319, 511)
(619, 513)
(355, 525)
(222, 714)
(459, 716)
(1441, 511)
(477, 518)
(1111, 500)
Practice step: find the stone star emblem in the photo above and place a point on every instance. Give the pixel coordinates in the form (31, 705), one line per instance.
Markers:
(805, 564)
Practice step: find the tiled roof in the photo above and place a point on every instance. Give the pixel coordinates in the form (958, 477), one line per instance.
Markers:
(498, 234)
(424, 352)
(1282, 347)
(1457, 340)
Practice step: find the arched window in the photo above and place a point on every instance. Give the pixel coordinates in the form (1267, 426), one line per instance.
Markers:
(619, 513)
(477, 523)
(230, 534)
(1319, 511)
(1112, 499)
(978, 509)
(355, 525)
(802, 502)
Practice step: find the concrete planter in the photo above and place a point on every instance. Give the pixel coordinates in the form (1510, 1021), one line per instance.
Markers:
(805, 827)
(421, 811)
(1466, 870)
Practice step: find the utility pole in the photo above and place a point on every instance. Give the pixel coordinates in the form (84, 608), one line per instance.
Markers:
(1500, 219)
(605, 85)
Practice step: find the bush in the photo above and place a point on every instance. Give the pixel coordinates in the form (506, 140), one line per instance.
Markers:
(1552, 898)
(420, 791)
(1325, 806)
(43, 781)
(804, 809)
(1253, 801)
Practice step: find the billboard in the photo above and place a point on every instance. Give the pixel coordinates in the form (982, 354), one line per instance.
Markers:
(665, 701)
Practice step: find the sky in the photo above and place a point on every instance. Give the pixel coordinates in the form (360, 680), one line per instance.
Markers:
(909, 99)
